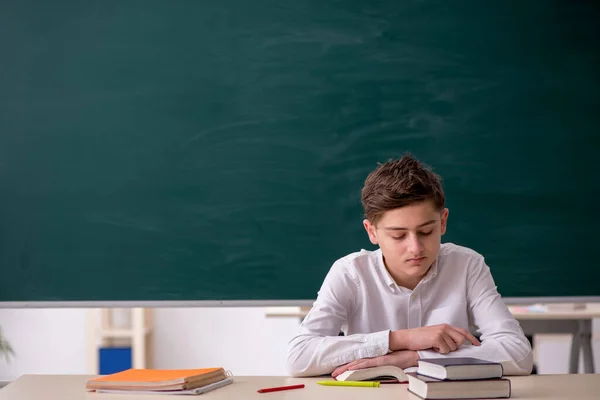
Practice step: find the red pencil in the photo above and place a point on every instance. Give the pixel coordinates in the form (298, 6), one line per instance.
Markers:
(277, 389)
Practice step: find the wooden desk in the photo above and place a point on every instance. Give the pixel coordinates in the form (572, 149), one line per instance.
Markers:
(71, 387)
(576, 322)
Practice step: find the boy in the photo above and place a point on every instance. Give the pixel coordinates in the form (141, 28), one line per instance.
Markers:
(413, 298)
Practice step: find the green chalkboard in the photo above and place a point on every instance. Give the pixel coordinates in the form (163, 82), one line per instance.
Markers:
(215, 150)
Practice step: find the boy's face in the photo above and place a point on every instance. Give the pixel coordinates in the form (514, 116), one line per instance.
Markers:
(409, 237)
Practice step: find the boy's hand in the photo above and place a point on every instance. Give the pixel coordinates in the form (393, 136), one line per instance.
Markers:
(442, 338)
(402, 359)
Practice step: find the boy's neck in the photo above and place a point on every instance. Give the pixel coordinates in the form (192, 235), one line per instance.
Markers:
(403, 280)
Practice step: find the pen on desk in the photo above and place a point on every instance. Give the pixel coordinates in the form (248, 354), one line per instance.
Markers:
(349, 383)
(277, 389)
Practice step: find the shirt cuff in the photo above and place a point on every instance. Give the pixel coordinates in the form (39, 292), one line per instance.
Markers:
(368, 346)
(378, 344)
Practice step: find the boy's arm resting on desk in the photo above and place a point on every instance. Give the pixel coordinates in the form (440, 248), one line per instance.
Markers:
(317, 349)
(502, 338)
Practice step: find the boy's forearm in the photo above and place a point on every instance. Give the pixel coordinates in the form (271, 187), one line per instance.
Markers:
(398, 340)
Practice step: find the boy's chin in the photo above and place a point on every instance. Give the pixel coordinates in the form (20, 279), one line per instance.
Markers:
(416, 270)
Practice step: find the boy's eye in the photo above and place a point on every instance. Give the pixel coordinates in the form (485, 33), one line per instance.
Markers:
(420, 233)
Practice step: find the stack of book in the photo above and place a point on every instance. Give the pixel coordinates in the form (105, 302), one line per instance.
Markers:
(156, 381)
(458, 378)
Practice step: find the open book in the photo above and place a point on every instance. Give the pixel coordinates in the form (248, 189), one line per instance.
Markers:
(384, 373)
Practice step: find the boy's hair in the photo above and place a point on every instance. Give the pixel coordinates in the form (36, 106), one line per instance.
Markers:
(398, 183)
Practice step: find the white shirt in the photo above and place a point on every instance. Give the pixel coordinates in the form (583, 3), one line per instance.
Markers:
(360, 298)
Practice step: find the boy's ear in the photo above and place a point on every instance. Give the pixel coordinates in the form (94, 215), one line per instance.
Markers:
(445, 213)
(370, 228)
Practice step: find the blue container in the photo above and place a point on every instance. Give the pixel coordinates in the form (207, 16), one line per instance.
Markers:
(114, 359)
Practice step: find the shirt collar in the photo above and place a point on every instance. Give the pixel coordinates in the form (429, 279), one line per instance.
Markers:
(389, 280)
(432, 273)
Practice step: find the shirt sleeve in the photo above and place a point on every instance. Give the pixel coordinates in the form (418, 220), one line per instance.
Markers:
(502, 339)
(317, 349)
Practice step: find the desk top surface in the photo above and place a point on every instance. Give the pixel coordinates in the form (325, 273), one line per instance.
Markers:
(71, 387)
(553, 312)
(591, 310)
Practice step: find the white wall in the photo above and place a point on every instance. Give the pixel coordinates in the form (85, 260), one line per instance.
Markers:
(44, 341)
(242, 340)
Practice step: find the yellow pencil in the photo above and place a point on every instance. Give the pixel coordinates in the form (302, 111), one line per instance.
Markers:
(349, 383)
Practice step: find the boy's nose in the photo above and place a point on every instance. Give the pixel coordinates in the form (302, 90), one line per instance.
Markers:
(415, 246)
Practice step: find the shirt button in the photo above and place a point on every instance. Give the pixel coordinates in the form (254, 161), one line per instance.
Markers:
(413, 296)
(379, 352)
(352, 358)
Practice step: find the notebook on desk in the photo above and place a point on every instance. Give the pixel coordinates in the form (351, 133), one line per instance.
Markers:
(159, 381)
(196, 391)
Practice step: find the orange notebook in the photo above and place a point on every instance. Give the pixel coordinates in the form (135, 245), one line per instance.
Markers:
(157, 379)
